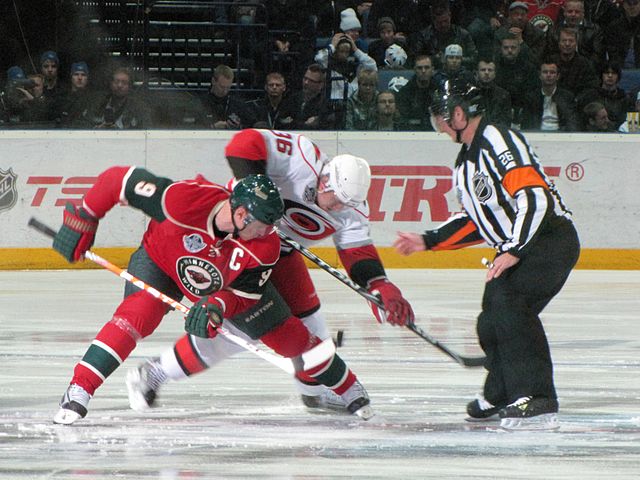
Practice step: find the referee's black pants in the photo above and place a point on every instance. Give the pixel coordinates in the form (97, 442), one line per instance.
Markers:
(509, 328)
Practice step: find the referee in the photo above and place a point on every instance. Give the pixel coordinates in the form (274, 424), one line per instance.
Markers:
(509, 203)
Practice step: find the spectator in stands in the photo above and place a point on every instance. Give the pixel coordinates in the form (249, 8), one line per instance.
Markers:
(597, 118)
(38, 108)
(452, 68)
(387, 37)
(409, 16)
(350, 26)
(224, 111)
(601, 12)
(590, 37)
(543, 15)
(342, 59)
(484, 20)
(310, 104)
(49, 66)
(72, 107)
(414, 99)
(497, 101)
(119, 108)
(515, 73)
(387, 112)
(576, 72)
(632, 122)
(433, 39)
(327, 13)
(516, 25)
(550, 108)
(14, 95)
(610, 94)
(249, 40)
(273, 111)
(362, 106)
(622, 36)
(292, 33)
(23, 101)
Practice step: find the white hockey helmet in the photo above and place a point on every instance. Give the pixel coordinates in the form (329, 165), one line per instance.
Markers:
(395, 56)
(349, 178)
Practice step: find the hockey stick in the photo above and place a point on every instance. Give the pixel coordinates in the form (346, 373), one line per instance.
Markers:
(462, 360)
(280, 362)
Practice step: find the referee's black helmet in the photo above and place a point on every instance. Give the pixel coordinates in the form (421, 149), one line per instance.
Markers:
(453, 93)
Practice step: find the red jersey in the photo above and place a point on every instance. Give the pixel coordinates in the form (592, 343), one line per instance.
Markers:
(182, 239)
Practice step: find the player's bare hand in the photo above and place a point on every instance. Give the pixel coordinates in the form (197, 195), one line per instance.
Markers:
(500, 264)
(408, 243)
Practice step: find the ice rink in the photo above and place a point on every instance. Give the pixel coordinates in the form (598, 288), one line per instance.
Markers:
(243, 420)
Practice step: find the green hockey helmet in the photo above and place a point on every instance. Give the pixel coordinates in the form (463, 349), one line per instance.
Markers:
(259, 195)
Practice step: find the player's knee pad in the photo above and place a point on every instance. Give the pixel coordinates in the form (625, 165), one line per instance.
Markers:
(320, 354)
(316, 324)
(290, 339)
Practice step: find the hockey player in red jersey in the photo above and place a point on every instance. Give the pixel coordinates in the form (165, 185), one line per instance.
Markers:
(215, 247)
(323, 198)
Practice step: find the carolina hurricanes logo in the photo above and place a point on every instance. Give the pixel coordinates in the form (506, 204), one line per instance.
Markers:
(306, 222)
(199, 276)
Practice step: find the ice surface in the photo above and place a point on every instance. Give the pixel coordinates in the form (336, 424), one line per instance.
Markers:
(243, 419)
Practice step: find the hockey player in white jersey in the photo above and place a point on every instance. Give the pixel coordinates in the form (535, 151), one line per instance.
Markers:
(323, 198)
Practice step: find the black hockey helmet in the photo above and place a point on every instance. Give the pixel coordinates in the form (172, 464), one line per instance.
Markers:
(457, 92)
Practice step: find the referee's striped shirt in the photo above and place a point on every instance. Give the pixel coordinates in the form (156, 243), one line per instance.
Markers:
(504, 193)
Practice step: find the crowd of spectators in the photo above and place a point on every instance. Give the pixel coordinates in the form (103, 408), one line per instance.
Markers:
(542, 66)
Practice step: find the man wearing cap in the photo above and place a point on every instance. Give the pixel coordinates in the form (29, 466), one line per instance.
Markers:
(452, 68)
(75, 103)
(622, 36)
(49, 64)
(532, 39)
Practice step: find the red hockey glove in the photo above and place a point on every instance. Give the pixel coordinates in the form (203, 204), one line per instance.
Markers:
(77, 233)
(203, 318)
(397, 310)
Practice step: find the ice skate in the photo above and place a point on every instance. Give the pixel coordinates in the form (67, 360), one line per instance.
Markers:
(480, 410)
(328, 399)
(357, 401)
(73, 405)
(143, 383)
(530, 413)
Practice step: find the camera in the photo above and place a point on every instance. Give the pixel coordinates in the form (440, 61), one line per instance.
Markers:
(25, 83)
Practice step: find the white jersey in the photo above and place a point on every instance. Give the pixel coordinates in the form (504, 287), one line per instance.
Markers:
(294, 164)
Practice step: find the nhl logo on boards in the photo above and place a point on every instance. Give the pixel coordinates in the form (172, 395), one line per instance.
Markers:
(199, 276)
(193, 243)
(8, 190)
(481, 188)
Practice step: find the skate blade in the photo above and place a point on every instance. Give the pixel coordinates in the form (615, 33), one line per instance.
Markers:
(365, 412)
(492, 418)
(66, 417)
(547, 421)
(137, 401)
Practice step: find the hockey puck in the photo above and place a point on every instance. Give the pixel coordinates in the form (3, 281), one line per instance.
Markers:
(338, 339)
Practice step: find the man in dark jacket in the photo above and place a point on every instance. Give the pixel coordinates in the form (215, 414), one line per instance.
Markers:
(439, 34)
(576, 72)
(515, 73)
(414, 99)
(550, 108)
(622, 36)
(222, 109)
(590, 36)
(497, 101)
